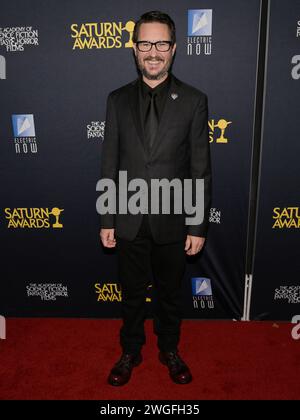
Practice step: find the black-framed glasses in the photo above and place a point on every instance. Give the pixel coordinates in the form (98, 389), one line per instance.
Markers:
(162, 46)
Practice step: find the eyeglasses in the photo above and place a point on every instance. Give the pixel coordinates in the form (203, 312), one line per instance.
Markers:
(162, 46)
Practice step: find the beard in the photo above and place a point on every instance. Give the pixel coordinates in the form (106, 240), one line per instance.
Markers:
(158, 75)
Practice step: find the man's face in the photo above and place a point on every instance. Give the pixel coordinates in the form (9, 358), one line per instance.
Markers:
(154, 64)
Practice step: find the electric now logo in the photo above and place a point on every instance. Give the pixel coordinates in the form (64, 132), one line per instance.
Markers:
(201, 286)
(200, 22)
(23, 125)
(2, 328)
(202, 293)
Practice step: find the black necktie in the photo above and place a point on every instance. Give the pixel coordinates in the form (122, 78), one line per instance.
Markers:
(151, 121)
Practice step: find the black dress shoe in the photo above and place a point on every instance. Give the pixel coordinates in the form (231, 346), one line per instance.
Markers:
(178, 370)
(121, 372)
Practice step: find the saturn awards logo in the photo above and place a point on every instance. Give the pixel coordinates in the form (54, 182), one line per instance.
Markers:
(112, 292)
(102, 35)
(220, 134)
(286, 218)
(33, 218)
(108, 292)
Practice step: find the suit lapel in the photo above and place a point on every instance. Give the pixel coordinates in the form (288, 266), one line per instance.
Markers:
(135, 110)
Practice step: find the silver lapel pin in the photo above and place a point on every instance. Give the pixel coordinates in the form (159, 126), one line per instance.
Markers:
(174, 96)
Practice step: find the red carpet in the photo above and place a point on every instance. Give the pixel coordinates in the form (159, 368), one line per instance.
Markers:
(70, 359)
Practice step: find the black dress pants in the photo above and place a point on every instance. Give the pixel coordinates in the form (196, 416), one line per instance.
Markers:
(136, 259)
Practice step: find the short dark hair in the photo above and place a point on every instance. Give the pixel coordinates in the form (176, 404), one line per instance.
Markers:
(155, 16)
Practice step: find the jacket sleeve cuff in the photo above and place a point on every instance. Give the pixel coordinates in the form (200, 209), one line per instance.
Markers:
(200, 231)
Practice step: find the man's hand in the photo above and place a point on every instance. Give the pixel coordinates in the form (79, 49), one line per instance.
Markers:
(193, 244)
(108, 237)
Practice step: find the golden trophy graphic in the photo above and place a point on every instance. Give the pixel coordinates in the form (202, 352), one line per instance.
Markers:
(56, 212)
(129, 27)
(222, 125)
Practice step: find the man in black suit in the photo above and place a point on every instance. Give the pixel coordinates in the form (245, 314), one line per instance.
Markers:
(156, 128)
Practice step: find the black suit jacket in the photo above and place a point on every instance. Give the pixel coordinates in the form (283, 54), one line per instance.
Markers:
(180, 150)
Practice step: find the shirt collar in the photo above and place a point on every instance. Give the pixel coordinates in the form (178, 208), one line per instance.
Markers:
(159, 89)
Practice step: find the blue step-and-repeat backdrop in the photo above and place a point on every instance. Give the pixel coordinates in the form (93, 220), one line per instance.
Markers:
(58, 62)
